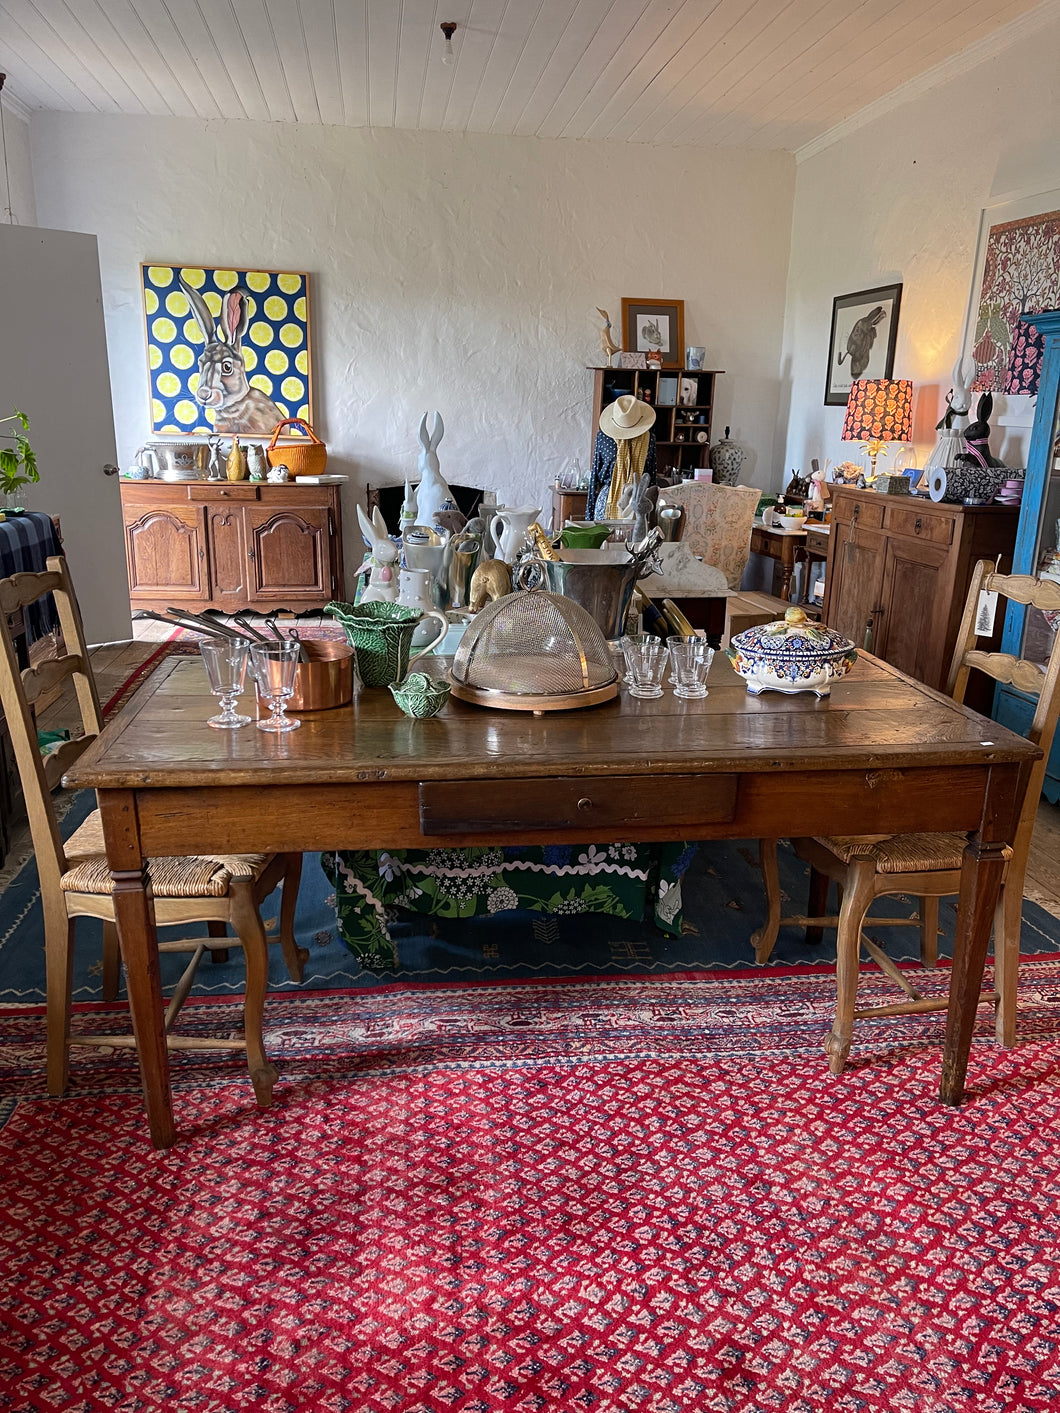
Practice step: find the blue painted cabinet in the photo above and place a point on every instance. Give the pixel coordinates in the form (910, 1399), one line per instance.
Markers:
(1027, 632)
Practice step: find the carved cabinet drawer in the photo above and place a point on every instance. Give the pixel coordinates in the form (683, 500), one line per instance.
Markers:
(681, 802)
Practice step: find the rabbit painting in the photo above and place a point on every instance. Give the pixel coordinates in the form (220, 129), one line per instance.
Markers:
(432, 491)
(223, 385)
(382, 580)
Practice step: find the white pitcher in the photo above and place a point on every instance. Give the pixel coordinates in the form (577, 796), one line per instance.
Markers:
(414, 591)
(509, 528)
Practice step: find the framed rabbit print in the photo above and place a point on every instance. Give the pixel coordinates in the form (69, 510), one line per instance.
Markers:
(228, 350)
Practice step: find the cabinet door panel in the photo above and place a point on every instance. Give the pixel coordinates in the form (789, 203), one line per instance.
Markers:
(855, 582)
(912, 631)
(287, 552)
(166, 553)
(228, 555)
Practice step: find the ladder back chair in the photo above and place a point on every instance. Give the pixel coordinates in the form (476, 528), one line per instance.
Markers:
(220, 891)
(927, 866)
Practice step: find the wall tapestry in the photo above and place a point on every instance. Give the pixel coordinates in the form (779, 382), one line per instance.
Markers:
(227, 350)
(1021, 275)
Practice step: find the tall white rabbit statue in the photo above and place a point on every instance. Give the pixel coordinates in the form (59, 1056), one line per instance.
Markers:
(223, 384)
(381, 561)
(432, 491)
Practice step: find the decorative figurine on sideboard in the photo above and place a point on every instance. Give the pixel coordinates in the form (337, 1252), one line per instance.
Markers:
(433, 490)
(278, 475)
(236, 465)
(608, 347)
(818, 492)
(215, 470)
(381, 560)
(256, 463)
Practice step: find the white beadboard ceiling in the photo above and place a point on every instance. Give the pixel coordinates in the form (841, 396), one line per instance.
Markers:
(733, 73)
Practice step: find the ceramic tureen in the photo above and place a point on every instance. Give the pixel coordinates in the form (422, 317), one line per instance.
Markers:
(791, 655)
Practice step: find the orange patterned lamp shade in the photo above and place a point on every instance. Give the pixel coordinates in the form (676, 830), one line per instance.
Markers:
(879, 410)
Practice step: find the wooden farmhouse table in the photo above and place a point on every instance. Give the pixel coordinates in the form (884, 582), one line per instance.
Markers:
(882, 755)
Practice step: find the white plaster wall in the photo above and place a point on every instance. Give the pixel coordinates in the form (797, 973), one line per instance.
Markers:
(18, 205)
(457, 272)
(901, 200)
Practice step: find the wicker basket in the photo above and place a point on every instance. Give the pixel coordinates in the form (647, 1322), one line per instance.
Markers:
(305, 457)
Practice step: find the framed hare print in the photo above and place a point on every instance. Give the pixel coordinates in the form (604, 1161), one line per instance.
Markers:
(228, 350)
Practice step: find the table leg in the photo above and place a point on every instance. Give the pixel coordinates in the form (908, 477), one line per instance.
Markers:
(786, 567)
(134, 914)
(981, 874)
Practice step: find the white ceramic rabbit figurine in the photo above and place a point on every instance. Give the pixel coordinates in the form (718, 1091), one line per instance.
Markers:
(383, 579)
(432, 491)
(409, 509)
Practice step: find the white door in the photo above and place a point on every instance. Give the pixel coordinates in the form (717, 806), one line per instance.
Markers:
(53, 367)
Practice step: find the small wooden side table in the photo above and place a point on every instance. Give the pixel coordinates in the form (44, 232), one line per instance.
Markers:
(567, 505)
(779, 544)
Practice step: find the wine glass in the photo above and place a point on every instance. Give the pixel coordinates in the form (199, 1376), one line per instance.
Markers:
(273, 666)
(226, 667)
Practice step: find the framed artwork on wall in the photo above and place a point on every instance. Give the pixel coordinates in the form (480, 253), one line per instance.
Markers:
(655, 324)
(862, 340)
(1017, 271)
(227, 349)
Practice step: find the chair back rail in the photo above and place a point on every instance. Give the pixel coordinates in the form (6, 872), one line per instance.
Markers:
(1029, 677)
(20, 689)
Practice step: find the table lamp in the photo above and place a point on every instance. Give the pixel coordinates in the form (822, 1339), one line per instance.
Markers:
(879, 410)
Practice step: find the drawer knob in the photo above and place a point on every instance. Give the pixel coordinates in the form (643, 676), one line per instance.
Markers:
(585, 803)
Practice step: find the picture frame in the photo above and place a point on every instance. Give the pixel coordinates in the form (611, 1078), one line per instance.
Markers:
(260, 318)
(1017, 269)
(655, 323)
(667, 392)
(862, 340)
(633, 360)
(689, 393)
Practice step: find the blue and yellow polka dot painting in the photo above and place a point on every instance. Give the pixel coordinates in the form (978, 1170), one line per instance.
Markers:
(227, 350)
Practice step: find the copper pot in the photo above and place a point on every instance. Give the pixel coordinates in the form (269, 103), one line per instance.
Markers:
(326, 680)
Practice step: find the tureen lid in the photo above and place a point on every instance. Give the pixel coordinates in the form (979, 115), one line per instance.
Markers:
(793, 635)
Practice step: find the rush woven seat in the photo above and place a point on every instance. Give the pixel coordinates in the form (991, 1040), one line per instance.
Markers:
(902, 853)
(199, 876)
(218, 891)
(927, 866)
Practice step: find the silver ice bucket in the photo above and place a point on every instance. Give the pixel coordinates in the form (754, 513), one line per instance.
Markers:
(602, 587)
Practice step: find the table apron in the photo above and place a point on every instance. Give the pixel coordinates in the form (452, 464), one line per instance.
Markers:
(724, 805)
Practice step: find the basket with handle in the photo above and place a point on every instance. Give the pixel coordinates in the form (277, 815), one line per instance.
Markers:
(307, 457)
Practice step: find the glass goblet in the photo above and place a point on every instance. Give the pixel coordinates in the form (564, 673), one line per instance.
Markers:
(645, 661)
(226, 668)
(690, 660)
(273, 666)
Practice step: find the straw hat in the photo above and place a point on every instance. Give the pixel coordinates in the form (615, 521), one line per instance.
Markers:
(626, 417)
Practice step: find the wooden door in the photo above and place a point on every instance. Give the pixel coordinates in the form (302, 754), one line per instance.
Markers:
(53, 366)
(166, 553)
(915, 600)
(855, 582)
(229, 565)
(287, 553)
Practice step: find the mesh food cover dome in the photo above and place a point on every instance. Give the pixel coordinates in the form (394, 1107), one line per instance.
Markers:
(534, 651)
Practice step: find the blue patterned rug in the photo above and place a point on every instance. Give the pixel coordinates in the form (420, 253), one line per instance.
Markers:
(724, 903)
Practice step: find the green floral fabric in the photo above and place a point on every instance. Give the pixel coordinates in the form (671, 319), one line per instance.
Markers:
(625, 880)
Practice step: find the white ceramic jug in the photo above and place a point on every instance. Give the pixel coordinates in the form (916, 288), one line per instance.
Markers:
(509, 528)
(414, 591)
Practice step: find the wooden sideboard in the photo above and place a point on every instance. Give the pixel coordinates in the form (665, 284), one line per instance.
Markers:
(232, 544)
(898, 573)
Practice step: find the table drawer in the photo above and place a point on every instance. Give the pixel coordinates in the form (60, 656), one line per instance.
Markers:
(612, 802)
(921, 524)
(817, 541)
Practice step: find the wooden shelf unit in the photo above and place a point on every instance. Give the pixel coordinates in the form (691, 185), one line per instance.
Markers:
(677, 448)
(232, 545)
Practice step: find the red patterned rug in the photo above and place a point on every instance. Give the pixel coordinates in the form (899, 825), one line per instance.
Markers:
(607, 1195)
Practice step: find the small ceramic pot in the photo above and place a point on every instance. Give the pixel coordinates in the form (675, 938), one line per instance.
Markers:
(420, 696)
(791, 655)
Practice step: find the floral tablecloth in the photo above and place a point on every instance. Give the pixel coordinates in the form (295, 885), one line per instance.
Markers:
(626, 880)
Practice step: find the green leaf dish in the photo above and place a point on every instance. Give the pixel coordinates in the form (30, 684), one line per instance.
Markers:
(420, 696)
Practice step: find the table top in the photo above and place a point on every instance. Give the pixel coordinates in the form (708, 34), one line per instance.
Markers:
(875, 718)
